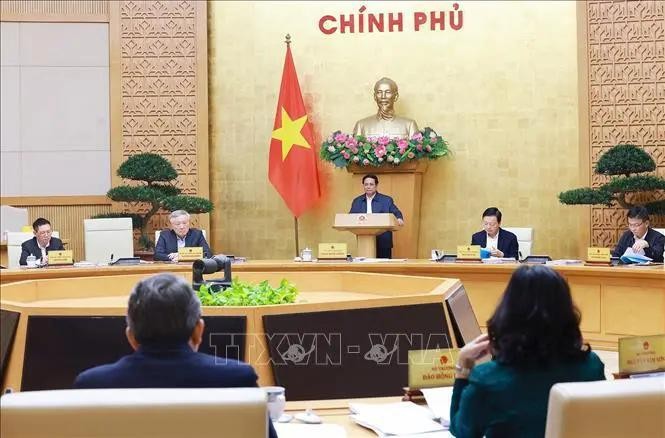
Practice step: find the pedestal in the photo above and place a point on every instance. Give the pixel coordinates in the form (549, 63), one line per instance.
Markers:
(403, 183)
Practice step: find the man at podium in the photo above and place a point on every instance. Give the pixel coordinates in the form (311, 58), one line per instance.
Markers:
(374, 202)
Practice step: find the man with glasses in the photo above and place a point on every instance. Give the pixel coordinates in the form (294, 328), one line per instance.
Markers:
(41, 244)
(640, 238)
(499, 242)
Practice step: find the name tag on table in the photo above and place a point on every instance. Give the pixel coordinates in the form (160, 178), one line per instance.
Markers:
(332, 251)
(598, 255)
(468, 251)
(432, 368)
(190, 253)
(60, 257)
(639, 354)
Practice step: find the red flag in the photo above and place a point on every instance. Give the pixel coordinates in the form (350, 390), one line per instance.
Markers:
(292, 163)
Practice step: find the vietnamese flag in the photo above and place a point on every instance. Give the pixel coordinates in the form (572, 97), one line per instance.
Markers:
(292, 164)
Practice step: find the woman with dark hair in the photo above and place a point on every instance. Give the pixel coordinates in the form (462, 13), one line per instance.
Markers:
(535, 341)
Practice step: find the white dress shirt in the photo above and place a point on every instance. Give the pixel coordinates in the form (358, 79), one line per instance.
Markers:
(369, 203)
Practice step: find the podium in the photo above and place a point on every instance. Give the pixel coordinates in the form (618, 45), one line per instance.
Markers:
(366, 226)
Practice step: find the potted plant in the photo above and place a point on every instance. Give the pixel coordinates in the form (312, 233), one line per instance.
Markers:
(155, 187)
(626, 164)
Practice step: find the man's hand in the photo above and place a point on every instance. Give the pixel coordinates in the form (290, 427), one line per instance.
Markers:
(496, 253)
(174, 256)
(400, 222)
(640, 244)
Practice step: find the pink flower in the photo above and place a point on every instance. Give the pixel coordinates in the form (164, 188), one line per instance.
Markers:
(390, 158)
(411, 155)
(428, 148)
(402, 145)
(354, 150)
(341, 137)
(365, 161)
(351, 143)
(380, 150)
(384, 140)
(372, 140)
(419, 148)
(346, 155)
(417, 136)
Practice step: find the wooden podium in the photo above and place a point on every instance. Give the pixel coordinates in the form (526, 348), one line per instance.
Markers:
(366, 226)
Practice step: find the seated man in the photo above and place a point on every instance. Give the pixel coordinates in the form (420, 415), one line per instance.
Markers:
(179, 236)
(499, 242)
(41, 244)
(374, 202)
(640, 238)
(165, 329)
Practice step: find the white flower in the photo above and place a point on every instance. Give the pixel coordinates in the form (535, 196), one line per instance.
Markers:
(396, 161)
(356, 158)
(432, 134)
(331, 148)
(380, 159)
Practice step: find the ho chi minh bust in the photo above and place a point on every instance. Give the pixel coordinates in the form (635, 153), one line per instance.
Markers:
(385, 122)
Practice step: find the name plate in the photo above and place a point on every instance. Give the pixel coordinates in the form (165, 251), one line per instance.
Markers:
(640, 354)
(468, 251)
(60, 257)
(432, 368)
(332, 251)
(190, 253)
(598, 255)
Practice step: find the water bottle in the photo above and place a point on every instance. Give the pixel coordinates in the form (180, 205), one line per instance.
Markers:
(31, 261)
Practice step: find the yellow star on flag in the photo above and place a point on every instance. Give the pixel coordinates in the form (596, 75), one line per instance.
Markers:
(289, 134)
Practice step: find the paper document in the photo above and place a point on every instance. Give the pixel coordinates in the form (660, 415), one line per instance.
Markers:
(390, 419)
(439, 400)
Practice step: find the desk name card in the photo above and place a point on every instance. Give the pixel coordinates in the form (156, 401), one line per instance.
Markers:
(641, 354)
(432, 368)
(64, 257)
(468, 252)
(601, 255)
(190, 253)
(332, 251)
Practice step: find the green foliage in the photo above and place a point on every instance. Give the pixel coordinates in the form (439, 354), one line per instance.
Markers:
(147, 167)
(137, 219)
(586, 195)
(192, 204)
(636, 183)
(246, 294)
(154, 193)
(624, 159)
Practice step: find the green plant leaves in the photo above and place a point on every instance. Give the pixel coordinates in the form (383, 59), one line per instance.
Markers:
(147, 167)
(246, 294)
(635, 183)
(624, 159)
(586, 196)
(154, 193)
(192, 204)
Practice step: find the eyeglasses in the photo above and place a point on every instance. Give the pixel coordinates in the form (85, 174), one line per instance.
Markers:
(632, 226)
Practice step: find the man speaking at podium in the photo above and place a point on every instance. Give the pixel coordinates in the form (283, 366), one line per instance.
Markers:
(374, 202)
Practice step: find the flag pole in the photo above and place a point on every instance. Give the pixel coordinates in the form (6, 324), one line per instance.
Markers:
(295, 223)
(295, 219)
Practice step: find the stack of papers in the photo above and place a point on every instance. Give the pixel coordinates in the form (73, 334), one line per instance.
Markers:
(439, 401)
(498, 260)
(564, 262)
(296, 430)
(401, 419)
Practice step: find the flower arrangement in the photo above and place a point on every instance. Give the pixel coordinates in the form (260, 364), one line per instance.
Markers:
(344, 149)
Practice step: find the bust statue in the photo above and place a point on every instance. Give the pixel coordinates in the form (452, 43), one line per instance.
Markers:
(385, 122)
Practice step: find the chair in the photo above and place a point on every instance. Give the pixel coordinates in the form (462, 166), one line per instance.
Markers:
(14, 242)
(108, 237)
(608, 409)
(660, 230)
(524, 239)
(208, 412)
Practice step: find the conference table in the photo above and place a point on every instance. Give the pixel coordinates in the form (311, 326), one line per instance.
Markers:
(614, 301)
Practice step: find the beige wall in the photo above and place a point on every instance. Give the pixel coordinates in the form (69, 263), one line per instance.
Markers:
(55, 109)
(503, 91)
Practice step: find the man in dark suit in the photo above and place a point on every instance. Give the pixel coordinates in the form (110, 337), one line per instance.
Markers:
(499, 242)
(179, 236)
(374, 202)
(640, 237)
(41, 244)
(165, 329)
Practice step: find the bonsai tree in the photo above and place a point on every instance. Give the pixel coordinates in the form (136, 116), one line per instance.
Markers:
(156, 175)
(623, 163)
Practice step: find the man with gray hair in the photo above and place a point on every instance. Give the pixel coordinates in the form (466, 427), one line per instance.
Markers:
(165, 329)
(179, 236)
